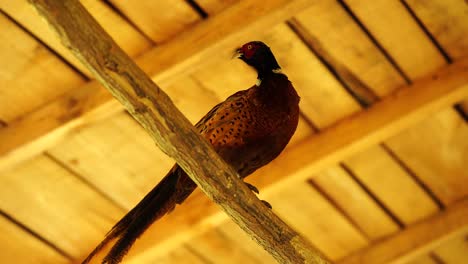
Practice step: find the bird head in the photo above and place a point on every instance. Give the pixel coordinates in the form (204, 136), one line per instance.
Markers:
(258, 55)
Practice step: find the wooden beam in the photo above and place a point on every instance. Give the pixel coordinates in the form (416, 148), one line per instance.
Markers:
(171, 131)
(416, 239)
(396, 112)
(42, 128)
(32, 134)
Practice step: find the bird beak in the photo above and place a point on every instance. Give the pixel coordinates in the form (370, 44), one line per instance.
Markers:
(237, 54)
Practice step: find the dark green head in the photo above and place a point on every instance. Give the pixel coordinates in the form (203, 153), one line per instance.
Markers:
(258, 55)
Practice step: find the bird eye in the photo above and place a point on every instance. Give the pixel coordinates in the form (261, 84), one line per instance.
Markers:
(249, 47)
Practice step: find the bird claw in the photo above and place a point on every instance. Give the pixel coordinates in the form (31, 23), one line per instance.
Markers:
(252, 188)
(267, 204)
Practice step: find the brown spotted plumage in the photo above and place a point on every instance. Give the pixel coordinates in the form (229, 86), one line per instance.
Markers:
(248, 130)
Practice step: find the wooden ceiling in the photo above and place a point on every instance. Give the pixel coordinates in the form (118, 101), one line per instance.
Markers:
(376, 173)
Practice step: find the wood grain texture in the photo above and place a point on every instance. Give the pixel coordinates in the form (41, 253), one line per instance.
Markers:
(214, 247)
(57, 205)
(172, 132)
(416, 239)
(30, 75)
(453, 251)
(352, 199)
(181, 255)
(417, 56)
(447, 22)
(212, 7)
(437, 151)
(106, 156)
(315, 218)
(391, 185)
(20, 247)
(424, 259)
(159, 20)
(123, 33)
(332, 31)
(43, 128)
(230, 230)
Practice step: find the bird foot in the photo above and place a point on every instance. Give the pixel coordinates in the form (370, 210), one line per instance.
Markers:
(267, 204)
(252, 188)
(255, 190)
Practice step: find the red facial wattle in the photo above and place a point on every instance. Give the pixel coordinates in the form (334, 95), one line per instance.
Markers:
(248, 50)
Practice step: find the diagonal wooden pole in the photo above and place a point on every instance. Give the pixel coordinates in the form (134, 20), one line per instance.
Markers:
(171, 131)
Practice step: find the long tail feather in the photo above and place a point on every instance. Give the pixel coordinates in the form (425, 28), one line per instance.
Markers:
(172, 190)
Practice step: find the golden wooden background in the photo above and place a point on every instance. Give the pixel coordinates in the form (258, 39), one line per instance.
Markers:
(370, 177)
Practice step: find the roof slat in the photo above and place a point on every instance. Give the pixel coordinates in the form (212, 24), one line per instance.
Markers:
(22, 248)
(340, 37)
(391, 185)
(124, 34)
(160, 20)
(57, 205)
(355, 202)
(30, 75)
(436, 150)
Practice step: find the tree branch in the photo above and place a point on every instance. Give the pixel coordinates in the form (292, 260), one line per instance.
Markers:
(171, 131)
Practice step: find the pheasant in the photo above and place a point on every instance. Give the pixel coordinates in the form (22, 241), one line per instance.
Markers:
(248, 130)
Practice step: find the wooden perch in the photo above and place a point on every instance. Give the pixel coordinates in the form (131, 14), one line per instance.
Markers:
(171, 131)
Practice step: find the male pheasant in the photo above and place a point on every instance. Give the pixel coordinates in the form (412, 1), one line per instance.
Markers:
(248, 130)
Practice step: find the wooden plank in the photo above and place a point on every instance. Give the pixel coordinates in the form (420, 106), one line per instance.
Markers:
(159, 20)
(31, 134)
(301, 66)
(32, 76)
(181, 255)
(21, 247)
(425, 259)
(404, 40)
(184, 53)
(364, 212)
(213, 7)
(315, 218)
(214, 247)
(124, 34)
(334, 32)
(105, 155)
(454, 251)
(447, 21)
(394, 188)
(57, 205)
(436, 150)
(230, 230)
(416, 239)
(416, 56)
(448, 24)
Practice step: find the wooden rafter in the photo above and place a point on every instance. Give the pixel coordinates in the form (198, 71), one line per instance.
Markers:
(416, 239)
(171, 131)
